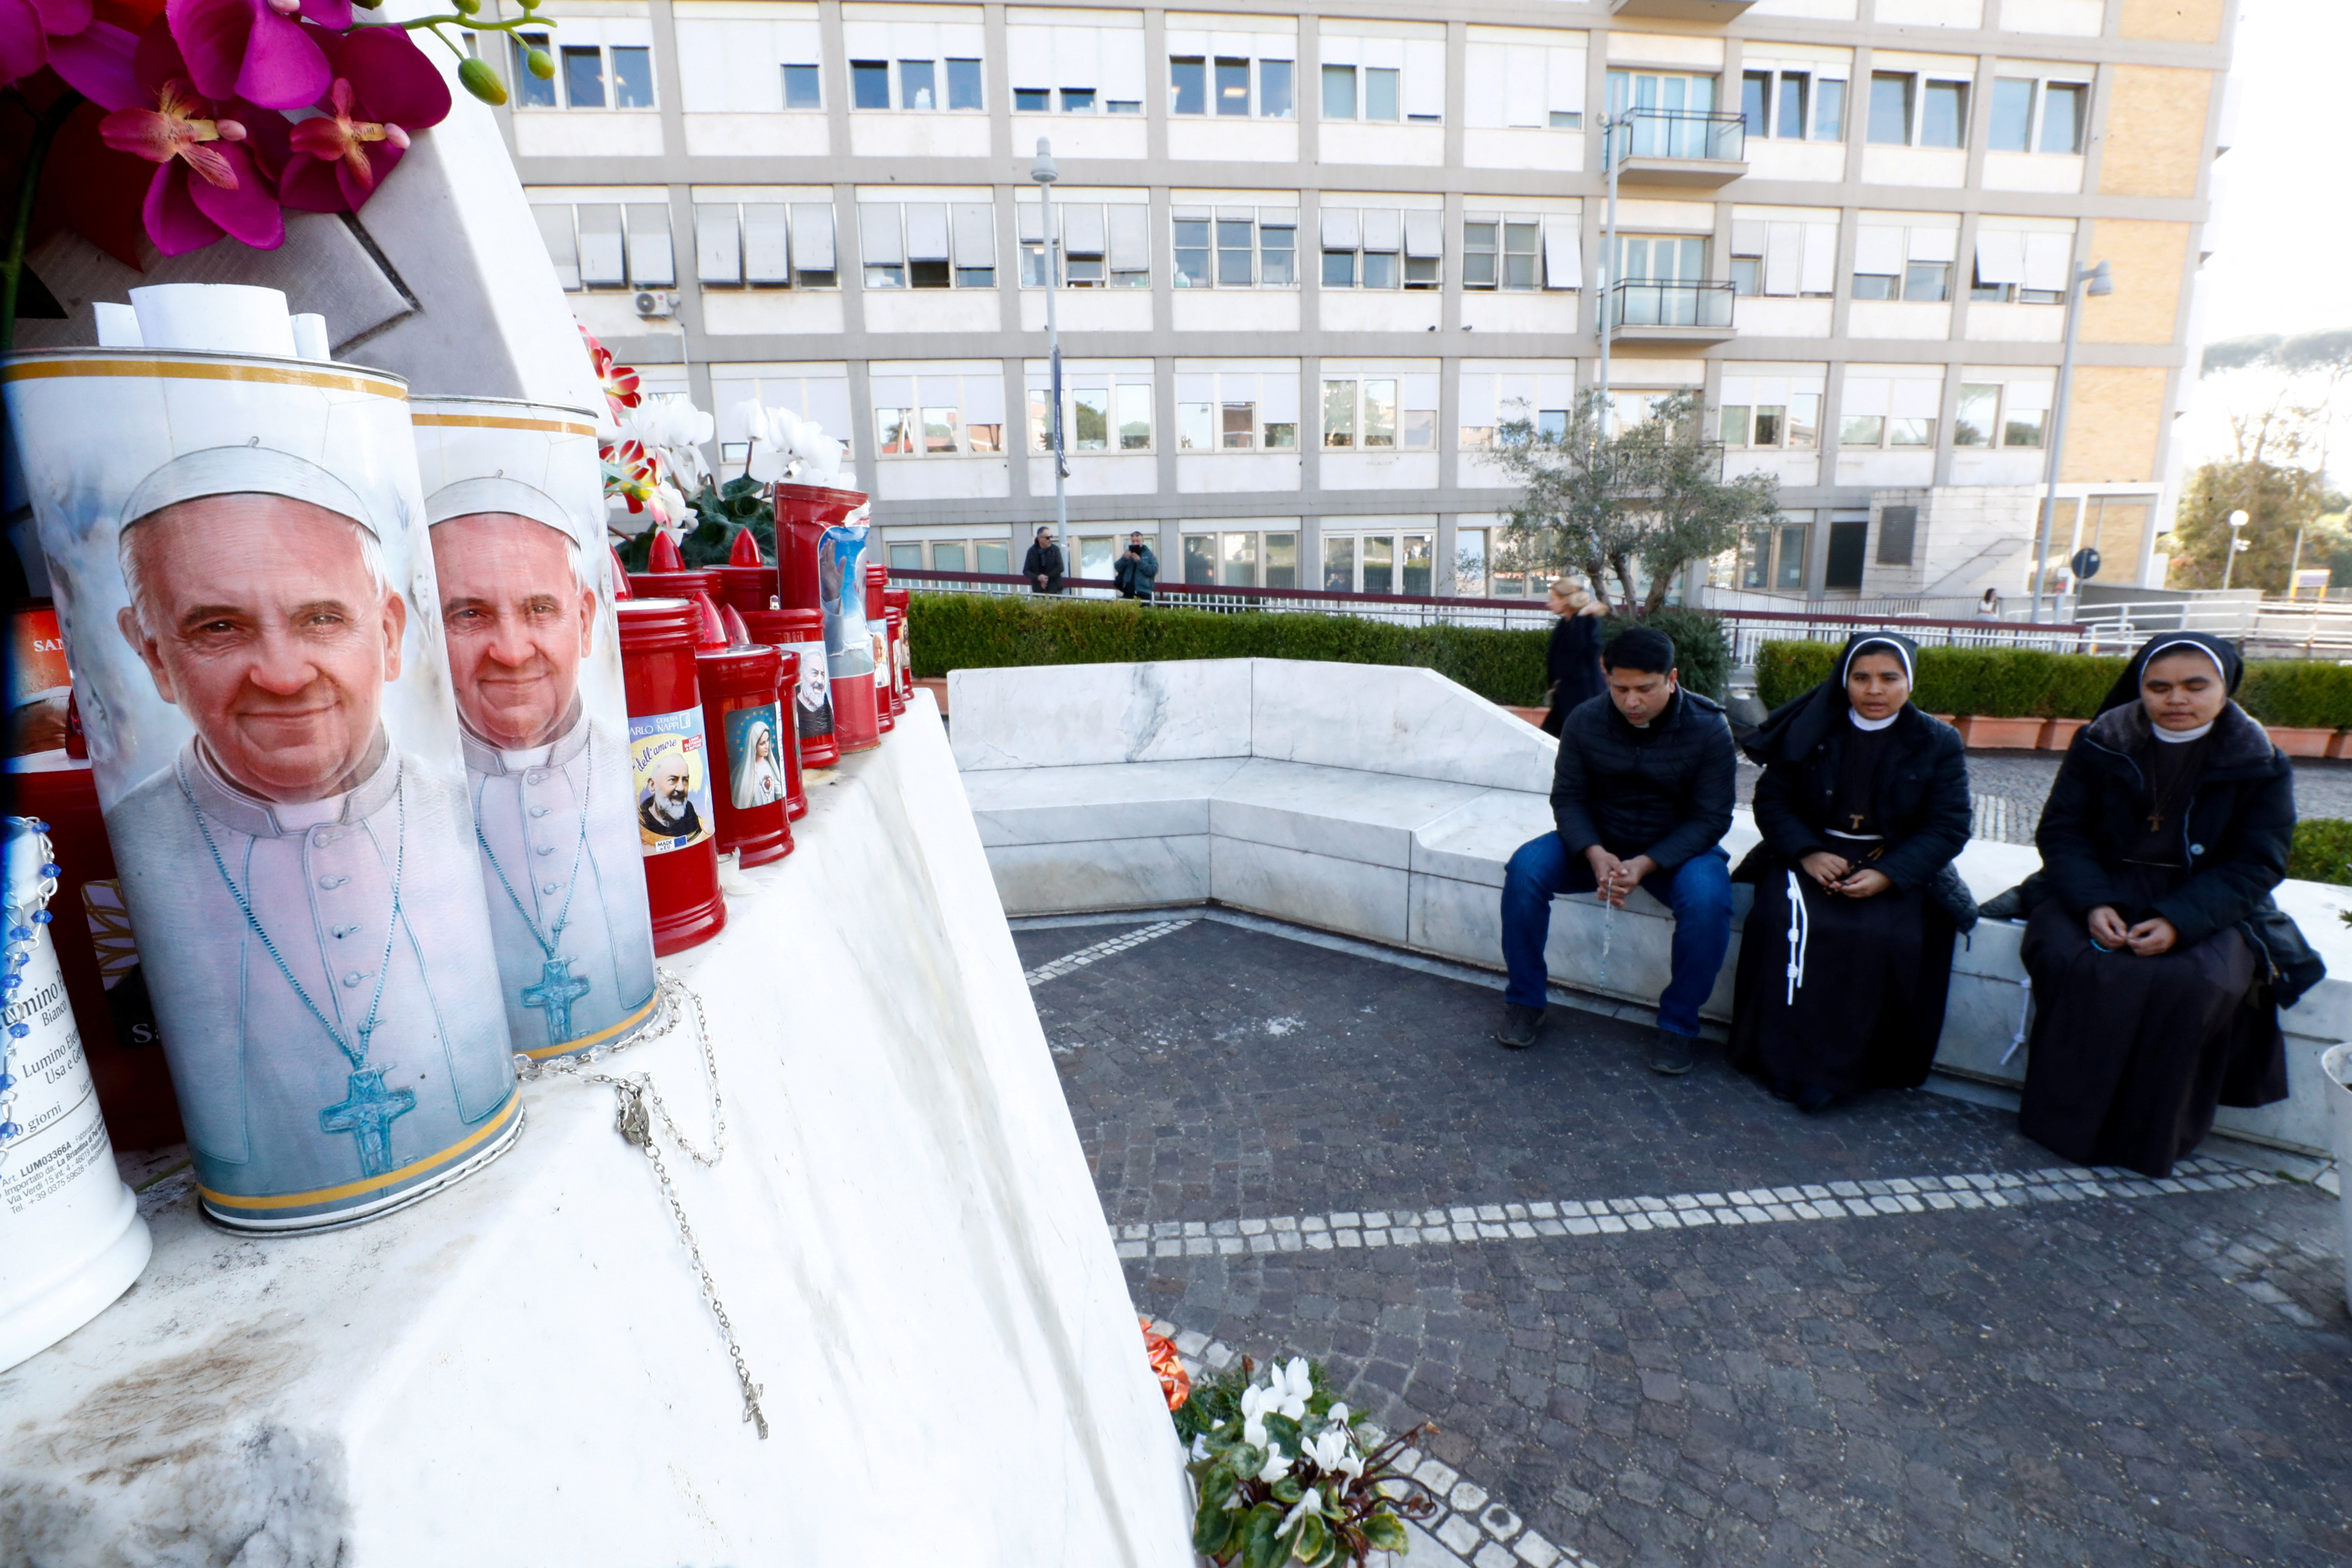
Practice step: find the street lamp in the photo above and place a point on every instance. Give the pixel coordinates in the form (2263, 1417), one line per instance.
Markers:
(2238, 520)
(1045, 174)
(2100, 282)
(1611, 156)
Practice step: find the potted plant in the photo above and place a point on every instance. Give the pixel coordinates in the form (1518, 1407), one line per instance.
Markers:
(1286, 1473)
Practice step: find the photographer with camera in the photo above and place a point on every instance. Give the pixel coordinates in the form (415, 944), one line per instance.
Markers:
(1138, 571)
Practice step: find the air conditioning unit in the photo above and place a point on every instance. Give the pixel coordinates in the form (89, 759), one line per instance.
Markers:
(654, 302)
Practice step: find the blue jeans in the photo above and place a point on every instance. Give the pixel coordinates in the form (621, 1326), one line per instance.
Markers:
(1700, 892)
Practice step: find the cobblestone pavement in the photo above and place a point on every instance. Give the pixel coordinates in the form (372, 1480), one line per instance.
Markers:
(2160, 1378)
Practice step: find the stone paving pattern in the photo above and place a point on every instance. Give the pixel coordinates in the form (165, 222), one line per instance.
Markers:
(2107, 1380)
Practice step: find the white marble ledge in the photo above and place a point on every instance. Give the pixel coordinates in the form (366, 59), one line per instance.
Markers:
(1096, 801)
(462, 1383)
(1393, 719)
(1128, 873)
(1342, 812)
(1072, 714)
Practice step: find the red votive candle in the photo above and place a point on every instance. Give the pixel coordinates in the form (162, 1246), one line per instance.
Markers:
(801, 632)
(749, 743)
(670, 757)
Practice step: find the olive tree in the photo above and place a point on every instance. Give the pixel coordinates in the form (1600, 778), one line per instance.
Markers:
(1642, 500)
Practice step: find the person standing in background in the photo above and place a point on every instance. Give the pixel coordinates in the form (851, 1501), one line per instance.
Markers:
(1137, 571)
(1573, 656)
(1042, 564)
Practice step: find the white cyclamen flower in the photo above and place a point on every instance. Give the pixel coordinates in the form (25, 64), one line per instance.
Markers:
(1311, 1503)
(1256, 1406)
(1277, 1465)
(1199, 1447)
(1293, 1385)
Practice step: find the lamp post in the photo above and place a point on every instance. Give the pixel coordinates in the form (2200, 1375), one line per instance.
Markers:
(1611, 124)
(1045, 174)
(2238, 520)
(2100, 282)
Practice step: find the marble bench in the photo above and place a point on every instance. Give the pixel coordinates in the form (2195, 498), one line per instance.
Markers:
(1382, 803)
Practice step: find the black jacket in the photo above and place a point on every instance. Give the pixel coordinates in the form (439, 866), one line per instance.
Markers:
(1921, 800)
(2235, 835)
(1666, 793)
(1922, 797)
(1045, 559)
(1138, 576)
(1572, 662)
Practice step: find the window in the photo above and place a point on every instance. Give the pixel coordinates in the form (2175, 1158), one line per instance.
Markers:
(1232, 75)
(1993, 414)
(1671, 116)
(1234, 247)
(817, 392)
(1770, 412)
(531, 93)
(1913, 264)
(593, 76)
(2032, 115)
(919, 84)
(1379, 411)
(609, 245)
(1241, 559)
(1381, 247)
(928, 245)
(1220, 410)
(1395, 559)
(1382, 79)
(1537, 393)
(764, 245)
(1522, 250)
(1102, 244)
(2024, 266)
(906, 557)
(1104, 408)
(1792, 103)
(1908, 109)
(939, 412)
(801, 88)
(1470, 563)
(1784, 255)
(1090, 68)
(1888, 409)
(1772, 555)
(1523, 78)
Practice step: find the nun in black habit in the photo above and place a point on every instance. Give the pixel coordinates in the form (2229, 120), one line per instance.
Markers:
(1847, 953)
(2159, 959)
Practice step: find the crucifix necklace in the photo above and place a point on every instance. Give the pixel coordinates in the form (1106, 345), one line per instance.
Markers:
(558, 987)
(367, 1109)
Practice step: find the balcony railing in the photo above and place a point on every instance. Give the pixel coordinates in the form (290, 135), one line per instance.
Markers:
(1679, 134)
(1640, 302)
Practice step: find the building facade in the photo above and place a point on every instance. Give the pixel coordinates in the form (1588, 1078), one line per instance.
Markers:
(1310, 261)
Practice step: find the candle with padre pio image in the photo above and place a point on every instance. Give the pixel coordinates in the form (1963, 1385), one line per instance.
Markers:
(237, 547)
(515, 497)
(848, 638)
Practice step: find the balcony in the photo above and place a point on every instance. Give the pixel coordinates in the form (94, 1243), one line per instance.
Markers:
(1691, 315)
(1687, 148)
(1682, 10)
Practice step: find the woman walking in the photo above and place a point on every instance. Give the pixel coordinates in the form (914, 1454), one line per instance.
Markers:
(1573, 656)
(2159, 960)
(1847, 954)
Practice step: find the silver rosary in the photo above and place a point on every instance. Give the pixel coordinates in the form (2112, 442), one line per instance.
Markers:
(634, 1093)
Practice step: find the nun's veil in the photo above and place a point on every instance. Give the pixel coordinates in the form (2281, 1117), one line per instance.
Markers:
(1799, 725)
(2224, 655)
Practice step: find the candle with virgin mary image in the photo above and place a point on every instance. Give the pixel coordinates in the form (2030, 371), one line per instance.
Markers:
(237, 548)
(515, 497)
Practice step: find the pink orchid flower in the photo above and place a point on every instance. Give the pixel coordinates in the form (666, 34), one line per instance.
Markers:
(209, 183)
(26, 28)
(257, 49)
(384, 90)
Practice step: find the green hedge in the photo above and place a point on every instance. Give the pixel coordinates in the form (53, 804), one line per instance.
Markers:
(2323, 851)
(984, 631)
(2023, 683)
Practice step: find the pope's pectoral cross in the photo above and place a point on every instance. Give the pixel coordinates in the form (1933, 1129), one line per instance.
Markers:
(558, 988)
(1854, 822)
(367, 1115)
(2155, 822)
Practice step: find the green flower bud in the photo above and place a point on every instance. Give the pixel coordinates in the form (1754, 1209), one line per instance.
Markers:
(477, 78)
(542, 63)
(466, 7)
